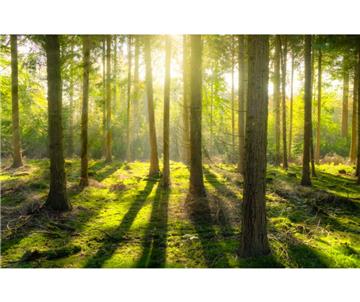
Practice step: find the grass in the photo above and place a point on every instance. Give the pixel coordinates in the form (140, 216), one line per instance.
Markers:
(125, 219)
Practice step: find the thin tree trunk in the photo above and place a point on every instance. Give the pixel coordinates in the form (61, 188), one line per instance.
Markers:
(318, 126)
(277, 98)
(135, 110)
(84, 181)
(291, 103)
(232, 98)
(306, 181)
(196, 173)
(108, 101)
(104, 96)
(345, 105)
(354, 121)
(57, 199)
(186, 98)
(312, 158)
(70, 150)
(254, 241)
(115, 72)
(358, 115)
(241, 100)
(17, 159)
(154, 161)
(283, 67)
(128, 120)
(166, 168)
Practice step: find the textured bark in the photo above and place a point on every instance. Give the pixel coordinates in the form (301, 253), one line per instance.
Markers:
(166, 168)
(70, 149)
(241, 105)
(291, 104)
(104, 95)
(345, 105)
(318, 126)
(108, 156)
(354, 121)
(254, 241)
(283, 104)
(154, 161)
(57, 199)
(306, 181)
(136, 94)
(186, 100)
(17, 160)
(84, 181)
(277, 98)
(128, 119)
(358, 116)
(232, 98)
(115, 72)
(196, 173)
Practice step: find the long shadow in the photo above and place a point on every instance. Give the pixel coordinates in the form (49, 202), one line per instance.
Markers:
(200, 216)
(110, 168)
(155, 239)
(116, 237)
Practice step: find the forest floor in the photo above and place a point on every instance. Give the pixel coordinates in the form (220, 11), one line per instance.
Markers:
(125, 219)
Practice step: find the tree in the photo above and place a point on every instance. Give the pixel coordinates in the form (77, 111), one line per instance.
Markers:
(241, 105)
(57, 199)
(166, 168)
(17, 160)
(358, 114)
(318, 126)
(233, 48)
(197, 188)
(277, 98)
(154, 161)
(128, 144)
(70, 149)
(283, 104)
(84, 181)
(345, 102)
(306, 181)
(291, 103)
(186, 97)
(254, 241)
(136, 94)
(354, 116)
(104, 96)
(108, 156)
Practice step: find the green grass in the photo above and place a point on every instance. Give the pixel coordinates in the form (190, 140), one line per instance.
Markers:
(125, 219)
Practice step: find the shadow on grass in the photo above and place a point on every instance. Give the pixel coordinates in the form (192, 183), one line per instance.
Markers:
(102, 170)
(116, 237)
(155, 239)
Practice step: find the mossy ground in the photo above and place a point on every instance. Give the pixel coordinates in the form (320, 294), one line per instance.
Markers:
(125, 219)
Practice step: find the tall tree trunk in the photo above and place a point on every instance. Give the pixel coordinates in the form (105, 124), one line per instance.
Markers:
(277, 98)
(166, 168)
(283, 80)
(128, 121)
(84, 181)
(345, 105)
(291, 103)
(186, 100)
(306, 181)
(135, 111)
(17, 160)
(312, 158)
(57, 199)
(104, 95)
(115, 72)
(318, 126)
(232, 98)
(108, 157)
(196, 173)
(358, 115)
(354, 121)
(241, 105)
(154, 161)
(70, 149)
(254, 241)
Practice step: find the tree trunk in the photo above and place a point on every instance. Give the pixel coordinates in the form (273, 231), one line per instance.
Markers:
(241, 100)
(128, 121)
(306, 181)
(108, 157)
(166, 168)
(232, 99)
(154, 161)
(186, 100)
(291, 103)
(196, 173)
(70, 150)
(84, 181)
(115, 72)
(358, 115)
(317, 150)
(277, 98)
(104, 95)
(254, 241)
(17, 160)
(57, 199)
(345, 104)
(135, 111)
(354, 121)
(283, 78)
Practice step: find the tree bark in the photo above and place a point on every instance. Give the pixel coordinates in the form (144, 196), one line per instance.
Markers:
(254, 241)
(358, 115)
(115, 72)
(354, 121)
(186, 100)
(128, 120)
(84, 180)
(57, 199)
(70, 150)
(283, 78)
(241, 105)
(154, 161)
(345, 105)
(104, 95)
(232, 98)
(166, 168)
(277, 98)
(17, 159)
(291, 103)
(306, 181)
(197, 188)
(318, 126)
(136, 94)
(108, 157)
